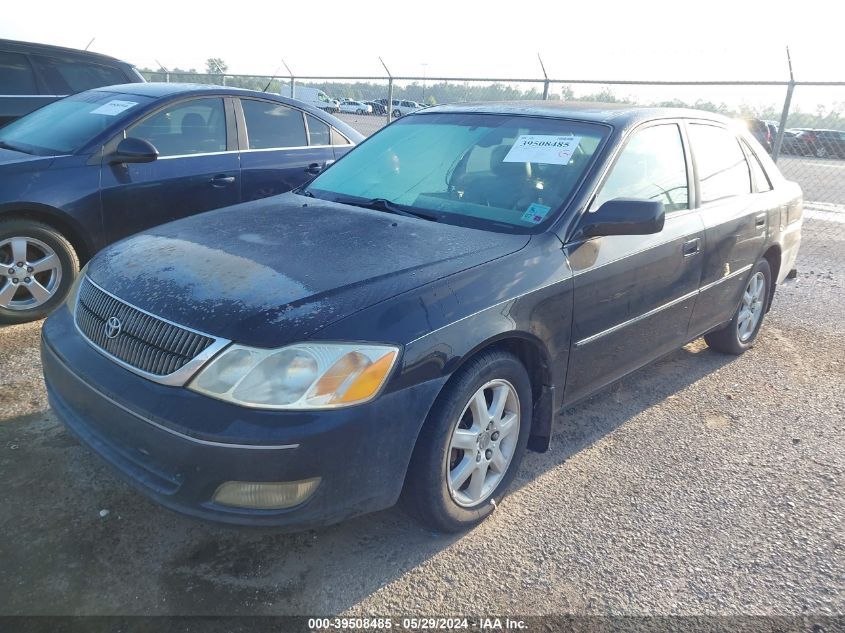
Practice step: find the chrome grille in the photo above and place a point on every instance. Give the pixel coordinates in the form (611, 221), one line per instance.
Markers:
(143, 342)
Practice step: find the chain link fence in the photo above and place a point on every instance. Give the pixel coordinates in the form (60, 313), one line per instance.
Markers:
(802, 124)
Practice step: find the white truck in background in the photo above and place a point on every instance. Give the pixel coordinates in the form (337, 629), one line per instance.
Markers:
(312, 96)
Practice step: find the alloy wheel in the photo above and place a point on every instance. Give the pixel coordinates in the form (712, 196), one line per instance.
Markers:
(30, 273)
(483, 443)
(751, 308)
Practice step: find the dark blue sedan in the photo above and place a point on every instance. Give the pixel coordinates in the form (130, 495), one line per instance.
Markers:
(415, 317)
(90, 169)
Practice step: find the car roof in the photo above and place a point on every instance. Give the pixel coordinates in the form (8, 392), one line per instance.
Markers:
(622, 114)
(18, 46)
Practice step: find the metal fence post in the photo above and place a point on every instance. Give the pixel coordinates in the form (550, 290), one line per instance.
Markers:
(546, 90)
(167, 77)
(389, 99)
(782, 125)
(224, 80)
(785, 113)
(293, 87)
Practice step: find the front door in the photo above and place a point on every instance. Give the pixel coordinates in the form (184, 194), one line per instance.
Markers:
(634, 294)
(195, 171)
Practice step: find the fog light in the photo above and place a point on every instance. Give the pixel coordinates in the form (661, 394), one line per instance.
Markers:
(265, 495)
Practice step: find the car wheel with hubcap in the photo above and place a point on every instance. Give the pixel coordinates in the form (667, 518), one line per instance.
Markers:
(37, 268)
(738, 335)
(821, 151)
(471, 444)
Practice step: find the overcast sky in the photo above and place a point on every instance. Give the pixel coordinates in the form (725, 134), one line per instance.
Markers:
(648, 39)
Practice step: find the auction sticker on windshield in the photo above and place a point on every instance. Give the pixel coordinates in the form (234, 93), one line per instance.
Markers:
(543, 148)
(114, 107)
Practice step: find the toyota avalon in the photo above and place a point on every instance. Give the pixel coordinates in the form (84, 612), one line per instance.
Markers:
(413, 319)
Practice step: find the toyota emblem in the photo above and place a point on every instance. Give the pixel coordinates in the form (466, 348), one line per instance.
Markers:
(113, 327)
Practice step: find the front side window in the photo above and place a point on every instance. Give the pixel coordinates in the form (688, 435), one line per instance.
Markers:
(16, 76)
(197, 126)
(500, 172)
(722, 168)
(67, 125)
(651, 166)
(273, 125)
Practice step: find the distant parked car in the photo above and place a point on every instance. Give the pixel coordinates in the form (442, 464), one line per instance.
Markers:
(350, 106)
(379, 109)
(33, 75)
(819, 143)
(90, 169)
(761, 131)
(401, 107)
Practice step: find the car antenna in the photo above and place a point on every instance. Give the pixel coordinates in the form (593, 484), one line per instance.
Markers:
(276, 72)
(89, 43)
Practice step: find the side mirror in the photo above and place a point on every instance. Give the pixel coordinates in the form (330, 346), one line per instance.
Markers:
(624, 216)
(134, 150)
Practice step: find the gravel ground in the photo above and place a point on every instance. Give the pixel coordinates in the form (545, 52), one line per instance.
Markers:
(702, 484)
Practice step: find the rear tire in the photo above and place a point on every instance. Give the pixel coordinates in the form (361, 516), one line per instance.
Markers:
(470, 447)
(48, 266)
(739, 335)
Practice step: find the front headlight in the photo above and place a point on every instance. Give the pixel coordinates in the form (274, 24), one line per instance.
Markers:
(302, 376)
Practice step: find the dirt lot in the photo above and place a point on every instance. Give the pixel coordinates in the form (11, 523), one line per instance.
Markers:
(703, 484)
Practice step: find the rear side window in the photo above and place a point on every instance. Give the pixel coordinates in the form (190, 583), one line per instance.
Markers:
(16, 76)
(197, 126)
(722, 169)
(651, 166)
(338, 138)
(757, 171)
(68, 76)
(318, 132)
(273, 125)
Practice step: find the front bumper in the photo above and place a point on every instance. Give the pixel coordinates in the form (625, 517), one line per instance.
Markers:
(177, 446)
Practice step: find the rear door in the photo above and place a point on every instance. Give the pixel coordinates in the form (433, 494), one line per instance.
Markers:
(735, 220)
(197, 169)
(634, 294)
(281, 147)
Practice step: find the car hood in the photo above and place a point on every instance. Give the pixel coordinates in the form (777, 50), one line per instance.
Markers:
(11, 159)
(273, 271)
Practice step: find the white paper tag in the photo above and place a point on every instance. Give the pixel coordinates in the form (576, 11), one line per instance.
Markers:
(543, 148)
(113, 108)
(535, 213)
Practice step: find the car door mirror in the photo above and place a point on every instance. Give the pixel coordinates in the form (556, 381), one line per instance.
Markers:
(624, 216)
(134, 150)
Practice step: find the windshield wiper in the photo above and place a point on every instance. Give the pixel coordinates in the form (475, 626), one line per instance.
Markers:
(383, 204)
(6, 145)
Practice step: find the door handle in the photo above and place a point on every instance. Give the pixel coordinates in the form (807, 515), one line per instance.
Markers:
(314, 168)
(692, 247)
(760, 221)
(221, 180)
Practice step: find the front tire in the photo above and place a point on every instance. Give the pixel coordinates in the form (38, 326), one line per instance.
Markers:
(37, 268)
(471, 445)
(739, 335)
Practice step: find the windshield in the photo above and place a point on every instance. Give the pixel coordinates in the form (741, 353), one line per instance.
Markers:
(497, 172)
(64, 126)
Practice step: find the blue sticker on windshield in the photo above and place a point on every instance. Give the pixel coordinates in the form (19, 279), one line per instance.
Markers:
(535, 213)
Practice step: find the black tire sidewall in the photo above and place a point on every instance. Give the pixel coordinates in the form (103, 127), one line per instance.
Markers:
(430, 492)
(67, 257)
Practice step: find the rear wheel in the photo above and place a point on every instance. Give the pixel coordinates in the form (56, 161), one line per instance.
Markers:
(37, 268)
(821, 151)
(738, 335)
(470, 447)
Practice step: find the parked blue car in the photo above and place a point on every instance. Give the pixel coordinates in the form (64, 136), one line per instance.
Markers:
(88, 170)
